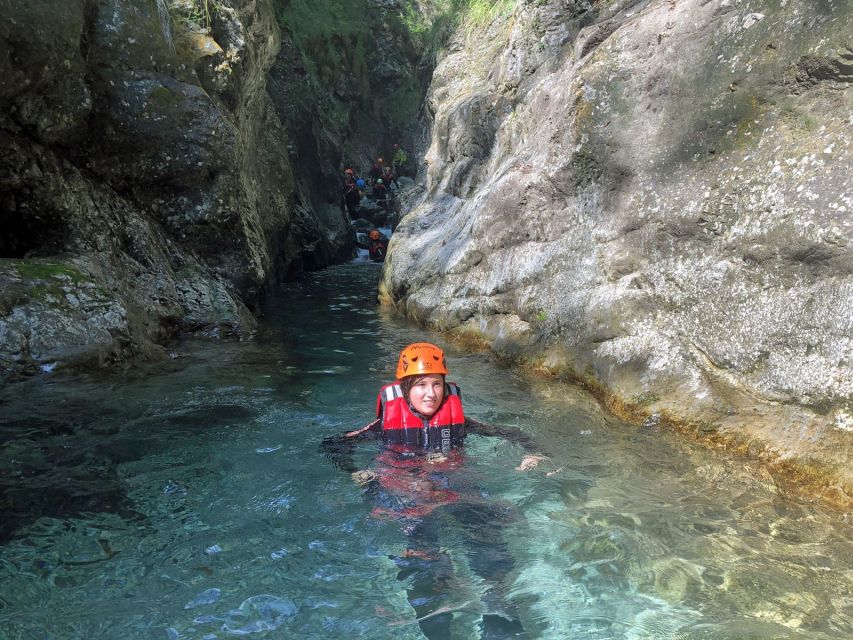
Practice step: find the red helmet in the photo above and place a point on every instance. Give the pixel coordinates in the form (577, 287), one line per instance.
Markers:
(419, 359)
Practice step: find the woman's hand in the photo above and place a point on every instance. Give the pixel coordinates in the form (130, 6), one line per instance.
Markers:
(364, 476)
(530, 461)
(364, 429)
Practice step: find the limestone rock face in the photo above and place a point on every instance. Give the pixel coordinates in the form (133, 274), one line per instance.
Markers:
(653, 197)
(143, 189)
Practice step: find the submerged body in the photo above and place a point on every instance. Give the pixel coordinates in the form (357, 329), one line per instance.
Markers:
(423, 426)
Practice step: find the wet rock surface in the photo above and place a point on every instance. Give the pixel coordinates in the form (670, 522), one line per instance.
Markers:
(142, 155)
(653, 198)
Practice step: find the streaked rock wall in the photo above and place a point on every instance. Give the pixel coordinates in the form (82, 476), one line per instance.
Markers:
(654, 198)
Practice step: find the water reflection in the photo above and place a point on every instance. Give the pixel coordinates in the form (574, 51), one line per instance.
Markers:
(129, 497)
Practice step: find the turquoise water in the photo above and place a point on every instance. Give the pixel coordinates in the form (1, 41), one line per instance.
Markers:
(190, 499)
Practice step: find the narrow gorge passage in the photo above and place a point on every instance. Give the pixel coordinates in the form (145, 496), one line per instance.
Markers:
(190, 499)
(649, 199)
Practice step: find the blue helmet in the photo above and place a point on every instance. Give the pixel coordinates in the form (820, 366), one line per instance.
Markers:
(361, 183)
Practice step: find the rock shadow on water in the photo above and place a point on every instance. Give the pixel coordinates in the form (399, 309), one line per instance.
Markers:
(73, 469)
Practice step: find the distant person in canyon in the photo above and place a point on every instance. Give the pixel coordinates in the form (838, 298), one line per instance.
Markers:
(378, 246)
(398, 160)
(352, 195)
(348, 176)
(389, 177)
(423, 426)
(376, 171)
(380, 193)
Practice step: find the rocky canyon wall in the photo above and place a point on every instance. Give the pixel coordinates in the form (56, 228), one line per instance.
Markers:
(145, 187)
(654, 198)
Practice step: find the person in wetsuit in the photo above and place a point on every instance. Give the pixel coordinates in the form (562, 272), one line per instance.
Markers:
(398, 161)
(380, 193)
(378, 246)
(352, 196)
(389, 177)
(423, 426)
(376, 171)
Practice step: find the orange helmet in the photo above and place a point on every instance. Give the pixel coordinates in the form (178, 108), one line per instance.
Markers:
(421, 358)
(373, 235)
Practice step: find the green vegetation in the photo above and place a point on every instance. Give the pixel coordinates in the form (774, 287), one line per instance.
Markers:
(336, 45)
(163, 97)
(752, 110)
(334, 42)
(40, 280)
(799, 120)
(198, 12)
(188, 15)
(330, 36)
(402, 104)
(483, 12)
(205, 10)
(34, 269)
(432, 23)
(645, 398)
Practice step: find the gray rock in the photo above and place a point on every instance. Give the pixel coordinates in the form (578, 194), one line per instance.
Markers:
(140, 153)
(655, 201)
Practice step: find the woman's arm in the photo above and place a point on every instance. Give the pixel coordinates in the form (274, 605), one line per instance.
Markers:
(370, 426)
(340, 448)
(511, 434)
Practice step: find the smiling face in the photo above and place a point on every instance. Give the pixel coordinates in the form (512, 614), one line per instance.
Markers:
(426, 394)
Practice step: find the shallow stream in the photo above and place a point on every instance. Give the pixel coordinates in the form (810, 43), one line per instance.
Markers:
(190, 499)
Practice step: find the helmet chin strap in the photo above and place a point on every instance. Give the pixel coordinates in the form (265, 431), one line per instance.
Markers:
(417, 413)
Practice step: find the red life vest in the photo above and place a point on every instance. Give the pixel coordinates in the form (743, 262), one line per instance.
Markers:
(377, 250)
(400, 426)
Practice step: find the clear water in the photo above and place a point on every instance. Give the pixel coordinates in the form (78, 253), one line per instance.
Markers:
(190, 499)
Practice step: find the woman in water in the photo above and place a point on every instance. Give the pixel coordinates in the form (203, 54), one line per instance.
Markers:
(423, 426)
